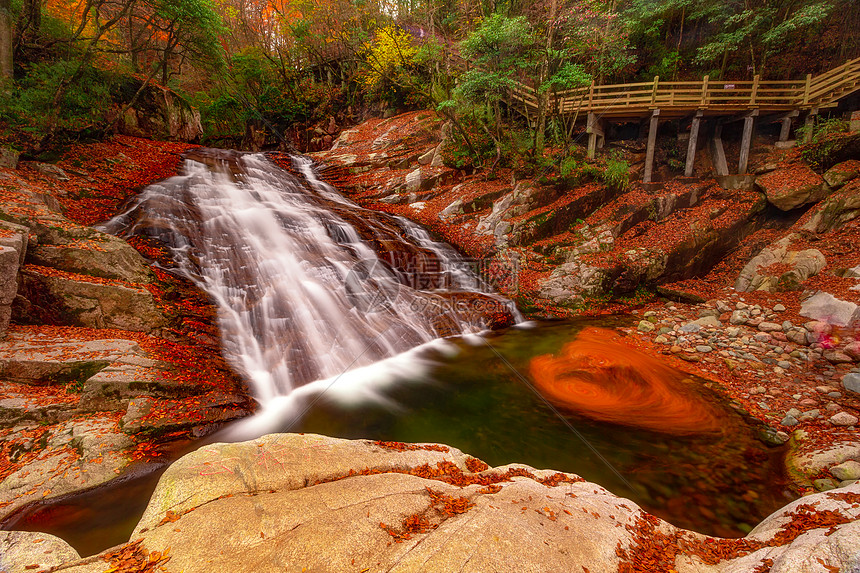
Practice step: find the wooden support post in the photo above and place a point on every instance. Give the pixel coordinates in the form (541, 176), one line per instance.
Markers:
(654, 90)
(785, 130)
(746, 141)
(806, 89)
(719, 154)
(704, 99)
(591, 96)
(652, 142)
(808, 123)
(596, 135)
(754, 91)
(691, 145)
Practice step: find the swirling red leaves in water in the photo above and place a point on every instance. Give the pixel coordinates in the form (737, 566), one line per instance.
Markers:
(600, 378)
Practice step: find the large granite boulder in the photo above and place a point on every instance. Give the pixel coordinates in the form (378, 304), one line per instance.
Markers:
(792, 186)
(77, 455)
(776, 268)
(13, 249)
(287, 501)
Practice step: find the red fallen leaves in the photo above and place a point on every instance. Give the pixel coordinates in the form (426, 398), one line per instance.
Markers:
(445, 506)
(103, 175)
(133, 558)
(57, 273)
(450, 473)
(475, 465)
(653, 550)
(401, 447)
(449, 505)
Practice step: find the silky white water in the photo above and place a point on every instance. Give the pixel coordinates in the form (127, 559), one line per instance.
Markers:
(301, 292)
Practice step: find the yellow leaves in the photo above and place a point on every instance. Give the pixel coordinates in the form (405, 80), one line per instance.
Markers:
(391, 51)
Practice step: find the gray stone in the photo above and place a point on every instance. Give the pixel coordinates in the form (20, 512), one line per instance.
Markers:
(813, 414)
(849, 470)
(452, 210)
(802, 265)
(427, 157)
(740, 317)
(413, 181)
(778, 308)
(789, 421)
(9, 263)
(17, 238)
(837, 357)
(841, 173)
(770, 327)
(851, 382)
(824, 484)
(704, 348)
(103, 256)
(843, 419)
(103, 454)
(824, 307)
(53, 171)
(645, 326)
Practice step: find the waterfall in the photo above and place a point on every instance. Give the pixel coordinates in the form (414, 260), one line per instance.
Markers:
(307, 284)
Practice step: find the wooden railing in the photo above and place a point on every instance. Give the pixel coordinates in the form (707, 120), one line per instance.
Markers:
(708, 95)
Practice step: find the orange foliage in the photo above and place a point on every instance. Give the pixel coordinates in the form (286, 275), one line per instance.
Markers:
(601, 378)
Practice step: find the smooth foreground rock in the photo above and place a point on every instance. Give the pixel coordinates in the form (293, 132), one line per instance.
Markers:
(22, 551)
(290, 502)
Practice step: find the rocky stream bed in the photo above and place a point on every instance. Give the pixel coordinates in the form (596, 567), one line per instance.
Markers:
(107, 362)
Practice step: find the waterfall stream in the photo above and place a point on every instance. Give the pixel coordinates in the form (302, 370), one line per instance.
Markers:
(307, 284)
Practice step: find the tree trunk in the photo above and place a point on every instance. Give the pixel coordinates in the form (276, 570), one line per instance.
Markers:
(6, 69)
(543, 75)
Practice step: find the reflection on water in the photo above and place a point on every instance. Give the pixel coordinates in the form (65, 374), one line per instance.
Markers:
(720, 481)
(600, 378)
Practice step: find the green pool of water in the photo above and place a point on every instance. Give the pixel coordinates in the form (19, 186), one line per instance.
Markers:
(481, 401)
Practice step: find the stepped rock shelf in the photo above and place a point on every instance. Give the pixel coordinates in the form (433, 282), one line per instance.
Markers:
(313, 503)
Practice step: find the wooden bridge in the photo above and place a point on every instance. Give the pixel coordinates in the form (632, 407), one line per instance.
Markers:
(780, 100)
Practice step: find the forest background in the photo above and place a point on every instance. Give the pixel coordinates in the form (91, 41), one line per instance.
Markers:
(292, 70)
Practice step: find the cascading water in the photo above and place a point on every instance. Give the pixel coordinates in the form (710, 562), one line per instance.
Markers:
(307, 284)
